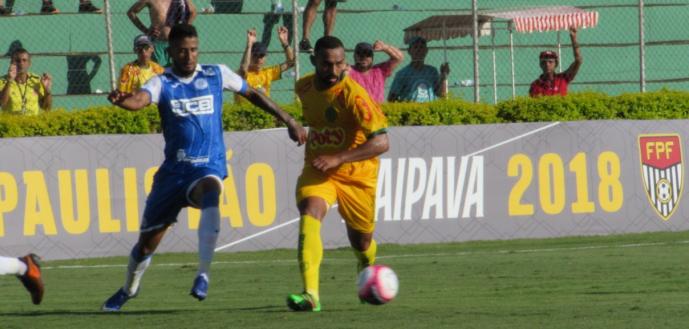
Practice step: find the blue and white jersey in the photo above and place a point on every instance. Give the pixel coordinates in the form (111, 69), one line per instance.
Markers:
(191, 115)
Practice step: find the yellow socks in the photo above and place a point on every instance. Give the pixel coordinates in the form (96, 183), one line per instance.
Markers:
(310, 253)
(367, 257)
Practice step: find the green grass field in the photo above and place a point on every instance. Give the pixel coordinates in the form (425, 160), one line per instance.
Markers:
(628, 281)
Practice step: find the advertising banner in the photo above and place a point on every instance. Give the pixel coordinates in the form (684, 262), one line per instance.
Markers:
(83, 196)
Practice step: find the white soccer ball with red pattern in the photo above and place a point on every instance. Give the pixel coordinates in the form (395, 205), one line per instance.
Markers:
(377, 284)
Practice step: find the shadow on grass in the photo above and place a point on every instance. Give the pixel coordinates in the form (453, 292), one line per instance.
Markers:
(280, 309)
(68, 313)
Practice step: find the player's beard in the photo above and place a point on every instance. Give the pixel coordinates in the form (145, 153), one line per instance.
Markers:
(329, 80)
(184, 70)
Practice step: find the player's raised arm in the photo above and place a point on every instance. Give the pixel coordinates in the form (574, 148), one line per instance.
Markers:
(233, 82)
(130, 102)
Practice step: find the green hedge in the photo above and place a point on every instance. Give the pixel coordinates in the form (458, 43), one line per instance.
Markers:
(581, 106)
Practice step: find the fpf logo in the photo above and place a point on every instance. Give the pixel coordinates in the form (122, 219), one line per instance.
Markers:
(662, 171)
(196, 106)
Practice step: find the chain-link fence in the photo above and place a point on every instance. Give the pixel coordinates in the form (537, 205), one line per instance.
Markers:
(74, 47)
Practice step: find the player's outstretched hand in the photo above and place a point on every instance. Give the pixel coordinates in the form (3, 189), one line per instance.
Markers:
(116, 96)
(296, 132)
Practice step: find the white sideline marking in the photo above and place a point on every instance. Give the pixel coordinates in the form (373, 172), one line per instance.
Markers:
(421, 255)
(514, 138)
(294, 220)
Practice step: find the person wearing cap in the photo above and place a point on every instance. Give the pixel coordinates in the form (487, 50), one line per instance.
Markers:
(418, 82)
(135, 74)
(551, 83)
(372, 77)
(163, 15)
(254, 59)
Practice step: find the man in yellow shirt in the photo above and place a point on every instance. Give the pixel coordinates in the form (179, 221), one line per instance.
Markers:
(251, 68)
(137, 73)
(22, 92)
(347, 133)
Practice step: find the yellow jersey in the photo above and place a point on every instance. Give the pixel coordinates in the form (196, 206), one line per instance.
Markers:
(25, 98)
(133, 76)
(339, 118)
(260, 81)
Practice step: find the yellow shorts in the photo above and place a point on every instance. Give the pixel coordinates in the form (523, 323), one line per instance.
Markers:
(353, 186)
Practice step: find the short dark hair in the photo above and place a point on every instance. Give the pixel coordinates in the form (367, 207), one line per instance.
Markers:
(181, 31)
(327, 42)
(20, 50)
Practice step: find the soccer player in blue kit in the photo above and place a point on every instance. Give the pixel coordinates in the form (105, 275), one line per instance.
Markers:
(189, 98)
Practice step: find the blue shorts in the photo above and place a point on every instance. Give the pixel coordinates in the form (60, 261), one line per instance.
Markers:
(170, 193)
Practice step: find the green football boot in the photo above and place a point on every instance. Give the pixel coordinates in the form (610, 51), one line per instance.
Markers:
(303, 302)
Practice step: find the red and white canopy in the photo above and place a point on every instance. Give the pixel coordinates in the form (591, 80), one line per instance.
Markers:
(549, 18)
(444, 27)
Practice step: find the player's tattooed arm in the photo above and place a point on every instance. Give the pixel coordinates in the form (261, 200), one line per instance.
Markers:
(296, 132)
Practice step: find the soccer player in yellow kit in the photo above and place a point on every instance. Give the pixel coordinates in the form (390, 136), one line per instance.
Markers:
(347, 133)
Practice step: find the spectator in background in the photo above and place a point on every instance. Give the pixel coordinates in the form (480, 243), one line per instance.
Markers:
(272, 18)
(85, 6)
(551, 83)
(5, 10)
(22, 92)
(310, 16)
(135, 74)
(28, 271)
(163, 15)
(372, 77)
(255, 54)
(418, 82)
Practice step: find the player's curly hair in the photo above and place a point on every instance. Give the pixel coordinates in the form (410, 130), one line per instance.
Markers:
(181, 31)
(327, 42)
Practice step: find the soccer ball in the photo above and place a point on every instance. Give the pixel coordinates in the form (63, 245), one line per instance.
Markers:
(377, 284)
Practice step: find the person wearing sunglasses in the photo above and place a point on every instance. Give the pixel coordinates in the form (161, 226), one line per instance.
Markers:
(253, 63)
(551, 83)
(136, 73)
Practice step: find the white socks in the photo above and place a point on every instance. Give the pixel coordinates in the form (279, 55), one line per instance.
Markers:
(209, 229)
(12, 265)
(135, 270)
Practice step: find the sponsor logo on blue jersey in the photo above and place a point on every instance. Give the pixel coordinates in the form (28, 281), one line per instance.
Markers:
(202, 105)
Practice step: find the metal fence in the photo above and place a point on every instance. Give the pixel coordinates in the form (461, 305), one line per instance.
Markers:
(636, 45)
